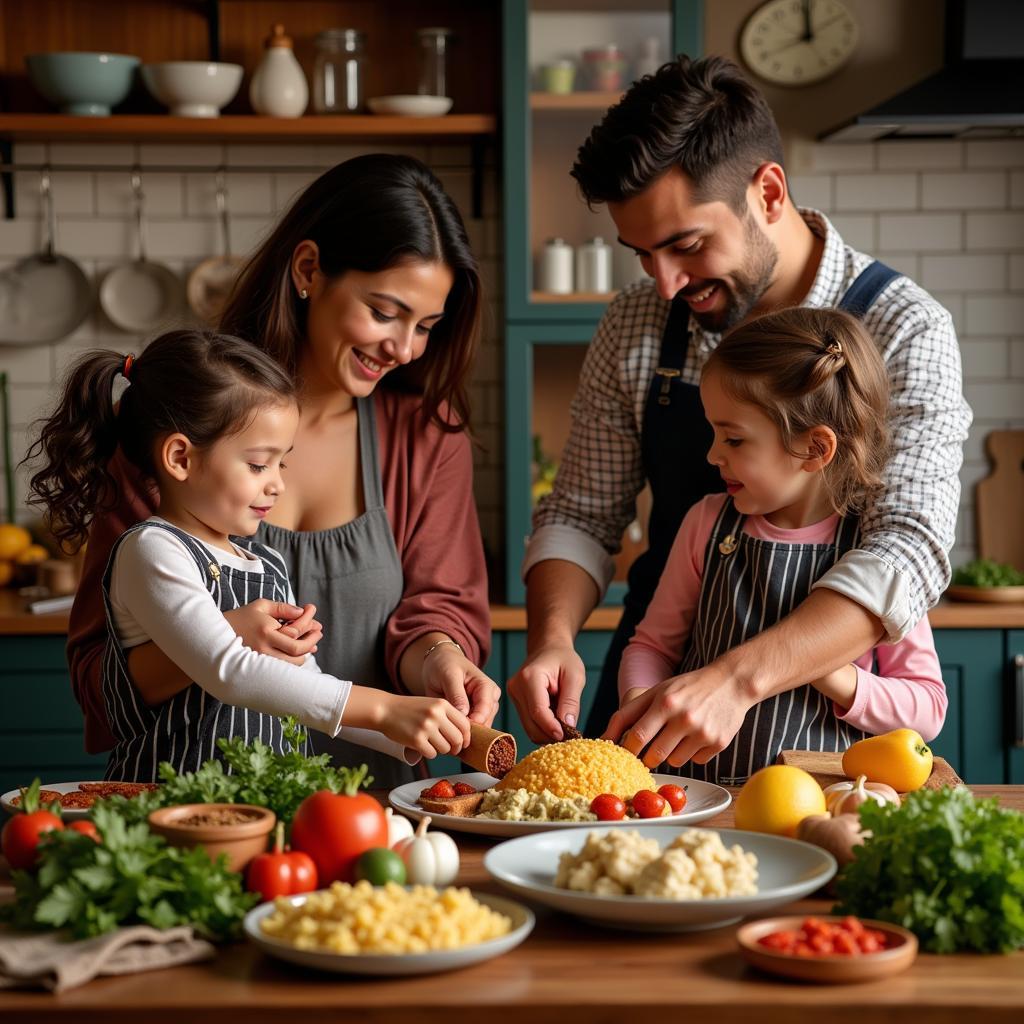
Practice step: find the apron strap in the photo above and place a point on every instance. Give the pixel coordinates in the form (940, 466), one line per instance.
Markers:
(868, 285)
(369, 453)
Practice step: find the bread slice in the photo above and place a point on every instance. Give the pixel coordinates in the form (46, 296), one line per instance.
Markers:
(462, 806)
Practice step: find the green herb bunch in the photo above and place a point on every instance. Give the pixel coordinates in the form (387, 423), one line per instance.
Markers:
(945, 865)
(984, 572)
(132, 876)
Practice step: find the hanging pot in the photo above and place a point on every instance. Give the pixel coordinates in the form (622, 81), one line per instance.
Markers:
(45, 297)
(140, 296)
(210, 284)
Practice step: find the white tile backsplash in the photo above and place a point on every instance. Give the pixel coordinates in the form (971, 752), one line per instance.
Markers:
(995, 153)
(920, 232)
(964, 191)
(907, 154)
(966, 273)
(857, 192)
(995, 314)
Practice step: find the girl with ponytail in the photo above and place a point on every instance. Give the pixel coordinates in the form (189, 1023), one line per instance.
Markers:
(208, 420)
(798, 401)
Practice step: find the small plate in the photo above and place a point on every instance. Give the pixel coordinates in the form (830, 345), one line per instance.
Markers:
(68, 814)
(828, 969)
(411, 106)
(787, 870)
(992, 595)
(703, 800)
(396, 964)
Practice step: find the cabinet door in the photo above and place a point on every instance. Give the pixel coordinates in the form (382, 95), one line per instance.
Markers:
(972, 739)
(1014, 711)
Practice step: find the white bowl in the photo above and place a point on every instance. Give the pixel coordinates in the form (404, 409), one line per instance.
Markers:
(411, 106)
(193, 88)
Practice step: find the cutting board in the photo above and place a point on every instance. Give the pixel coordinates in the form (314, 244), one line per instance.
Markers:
(828, 768)
(999, 499)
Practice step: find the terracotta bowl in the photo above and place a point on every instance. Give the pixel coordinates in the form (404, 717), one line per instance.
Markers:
(900, 954)
(241, 842)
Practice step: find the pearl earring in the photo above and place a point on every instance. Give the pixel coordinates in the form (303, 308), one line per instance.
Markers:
(303, 294)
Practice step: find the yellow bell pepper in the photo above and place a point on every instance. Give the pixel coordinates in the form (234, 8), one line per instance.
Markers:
(900, 759)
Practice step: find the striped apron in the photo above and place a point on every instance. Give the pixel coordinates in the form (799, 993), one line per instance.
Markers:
(748, 585)
(184, 730)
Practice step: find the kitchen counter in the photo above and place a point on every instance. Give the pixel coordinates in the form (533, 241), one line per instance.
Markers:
(16, 620)
(566, 971)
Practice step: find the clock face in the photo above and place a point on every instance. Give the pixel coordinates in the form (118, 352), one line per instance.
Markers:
(795, 42)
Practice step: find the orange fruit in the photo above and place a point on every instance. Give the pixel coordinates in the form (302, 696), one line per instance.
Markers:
(13, 540)
(777, 798)
(6, 572)
(32, 555)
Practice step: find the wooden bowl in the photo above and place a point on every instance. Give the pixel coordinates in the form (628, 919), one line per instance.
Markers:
(239, 841)
(834, 970)
(988, 595)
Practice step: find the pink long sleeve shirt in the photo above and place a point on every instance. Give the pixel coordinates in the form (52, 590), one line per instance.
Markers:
(907, 691)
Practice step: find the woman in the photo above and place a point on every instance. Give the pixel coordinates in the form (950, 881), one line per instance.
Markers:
(368, 292)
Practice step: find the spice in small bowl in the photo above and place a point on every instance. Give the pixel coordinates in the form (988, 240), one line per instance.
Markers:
(238, 830)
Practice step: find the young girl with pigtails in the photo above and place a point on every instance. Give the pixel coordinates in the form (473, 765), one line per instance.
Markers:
(209, 419)
(798, 401)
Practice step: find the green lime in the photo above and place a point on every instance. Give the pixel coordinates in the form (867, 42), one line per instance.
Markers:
(380, 866)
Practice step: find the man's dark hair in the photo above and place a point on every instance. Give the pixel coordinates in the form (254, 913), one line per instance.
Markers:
(703, 116)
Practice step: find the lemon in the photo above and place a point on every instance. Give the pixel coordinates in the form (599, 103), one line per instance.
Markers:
(13, 540)
(777, 798)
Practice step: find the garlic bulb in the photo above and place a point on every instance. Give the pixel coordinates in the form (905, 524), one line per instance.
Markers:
(398, 827)
(846, 797)
(429, 859)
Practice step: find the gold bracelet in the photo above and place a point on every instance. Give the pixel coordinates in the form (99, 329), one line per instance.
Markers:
(434, 647)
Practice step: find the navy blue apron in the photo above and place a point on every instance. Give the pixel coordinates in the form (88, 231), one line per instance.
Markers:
(674, 442)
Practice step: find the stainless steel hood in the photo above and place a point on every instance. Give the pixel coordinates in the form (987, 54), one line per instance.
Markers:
(979, 93)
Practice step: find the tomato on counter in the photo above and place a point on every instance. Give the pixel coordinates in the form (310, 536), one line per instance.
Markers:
(815, 937)
(281, 871)
(335, 828)
(22, 833)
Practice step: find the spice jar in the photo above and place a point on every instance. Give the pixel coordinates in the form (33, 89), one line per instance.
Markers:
(604, 68)
(554, 268)
(338, 72)
(433, 61)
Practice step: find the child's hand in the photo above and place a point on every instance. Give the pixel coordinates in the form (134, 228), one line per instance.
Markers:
(634, 691)
(429, 725)
(840, 685)
(259, 624)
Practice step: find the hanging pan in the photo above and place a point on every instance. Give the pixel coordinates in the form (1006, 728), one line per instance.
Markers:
(210, 284)
(45, 297)
(140, 296)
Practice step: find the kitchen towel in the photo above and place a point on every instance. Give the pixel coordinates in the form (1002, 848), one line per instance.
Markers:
(48, 960)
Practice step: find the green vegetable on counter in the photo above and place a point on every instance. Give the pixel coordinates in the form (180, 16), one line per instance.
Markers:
(983, 572)
(945, 865)
(131, 876)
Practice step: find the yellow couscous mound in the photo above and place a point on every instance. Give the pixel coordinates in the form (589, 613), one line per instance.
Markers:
(580, 768)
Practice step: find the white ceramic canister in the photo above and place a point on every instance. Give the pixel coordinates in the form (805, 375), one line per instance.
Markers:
(554, 270)
(278, 87)
(594, 266)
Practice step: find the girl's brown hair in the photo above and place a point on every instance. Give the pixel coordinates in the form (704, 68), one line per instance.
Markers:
(369, 214)
(204, 385)
(805, 368)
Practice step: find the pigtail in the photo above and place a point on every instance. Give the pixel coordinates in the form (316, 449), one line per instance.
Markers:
(75, 443)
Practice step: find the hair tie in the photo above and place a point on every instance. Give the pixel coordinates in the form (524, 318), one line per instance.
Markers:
(127, 368)
(833, 347)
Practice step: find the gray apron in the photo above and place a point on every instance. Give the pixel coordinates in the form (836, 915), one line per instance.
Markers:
(353, 574)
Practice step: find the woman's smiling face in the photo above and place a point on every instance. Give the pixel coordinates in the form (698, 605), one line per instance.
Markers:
(361, 326)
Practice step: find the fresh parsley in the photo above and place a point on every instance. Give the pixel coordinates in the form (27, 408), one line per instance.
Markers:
(984, 572)
(945, 865)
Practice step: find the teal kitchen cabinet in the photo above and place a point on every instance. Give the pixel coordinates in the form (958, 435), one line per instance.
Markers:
(1014, 705)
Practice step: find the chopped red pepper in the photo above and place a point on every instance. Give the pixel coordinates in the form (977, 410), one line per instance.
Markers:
(816, 937)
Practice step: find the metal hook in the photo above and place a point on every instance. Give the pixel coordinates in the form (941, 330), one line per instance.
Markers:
(222, 211)
(46, 193)
(136, 180)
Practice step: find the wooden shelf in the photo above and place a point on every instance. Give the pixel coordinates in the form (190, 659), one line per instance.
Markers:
(573, 297)
(238, 127)
(573, 100)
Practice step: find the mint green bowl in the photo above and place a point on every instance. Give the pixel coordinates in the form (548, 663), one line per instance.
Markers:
(87, 84)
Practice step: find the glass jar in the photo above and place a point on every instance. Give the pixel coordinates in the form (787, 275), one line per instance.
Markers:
(433, 48)
(338, 72)
(604, 68)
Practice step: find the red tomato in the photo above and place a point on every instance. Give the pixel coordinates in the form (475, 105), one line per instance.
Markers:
(440, 790)
(608, 807)
(21, 837)
(675, 795)
(335, 829)
(649, 804)
(87, 828)
(463, 788)
(281, 872)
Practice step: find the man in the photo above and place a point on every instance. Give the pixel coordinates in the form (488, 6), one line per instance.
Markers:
(690, 165)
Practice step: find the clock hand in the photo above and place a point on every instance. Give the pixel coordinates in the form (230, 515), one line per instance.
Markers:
(808, 33)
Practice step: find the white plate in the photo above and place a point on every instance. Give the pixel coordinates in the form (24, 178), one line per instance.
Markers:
(703, 800)
(71, 814)
(787, 870)
(411, 106)
(394, 964)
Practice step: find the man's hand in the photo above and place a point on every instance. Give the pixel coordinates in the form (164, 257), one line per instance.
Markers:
(549, 672)
(277, 628)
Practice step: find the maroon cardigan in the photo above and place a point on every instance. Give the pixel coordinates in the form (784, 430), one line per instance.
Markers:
(428, 493)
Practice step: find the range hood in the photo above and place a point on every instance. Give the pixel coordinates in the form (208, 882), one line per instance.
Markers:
(979, 93)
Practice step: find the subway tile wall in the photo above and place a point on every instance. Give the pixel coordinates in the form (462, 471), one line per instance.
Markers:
(950, 214)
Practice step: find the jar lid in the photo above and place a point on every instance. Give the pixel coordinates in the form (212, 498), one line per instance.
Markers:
(563, 63)
(596, 240)
(602, 52)
(555, 241)
(434, 31)
(278, 38)
(348, 37)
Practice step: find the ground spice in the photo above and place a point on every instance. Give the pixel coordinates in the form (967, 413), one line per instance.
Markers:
(220, 816)
(501, 757)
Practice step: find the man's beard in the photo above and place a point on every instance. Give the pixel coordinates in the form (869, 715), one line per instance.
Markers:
(750, 282)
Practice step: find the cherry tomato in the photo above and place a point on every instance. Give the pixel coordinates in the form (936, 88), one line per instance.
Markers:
(608, 807)
(335, 829)
(463, 788)
(87, 828)
(440, 790)
(675, 795)
(21, 837)
(281, 872)
(648, 804)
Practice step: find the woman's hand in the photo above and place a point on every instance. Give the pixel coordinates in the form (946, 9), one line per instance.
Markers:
(429, 725)
(277, 628)
(436, 667)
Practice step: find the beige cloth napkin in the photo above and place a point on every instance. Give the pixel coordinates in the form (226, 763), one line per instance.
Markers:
(48, 960)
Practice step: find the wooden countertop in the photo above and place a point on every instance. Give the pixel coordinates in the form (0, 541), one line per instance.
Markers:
(566, 971)
(16, 620)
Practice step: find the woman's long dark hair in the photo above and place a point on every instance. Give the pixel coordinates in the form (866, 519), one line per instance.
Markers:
(204, 385)
(369, 214)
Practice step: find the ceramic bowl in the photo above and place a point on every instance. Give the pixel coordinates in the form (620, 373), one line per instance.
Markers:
(240, 842)
(836, 970)
(410, 106)
(87, 84)
(193, 88)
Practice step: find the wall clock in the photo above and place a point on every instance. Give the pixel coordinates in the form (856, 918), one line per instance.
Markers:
(798, 42)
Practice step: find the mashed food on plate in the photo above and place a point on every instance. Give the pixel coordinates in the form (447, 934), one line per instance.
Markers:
(522, 805)
(363, 918)
(695, 865)
(580, 768)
